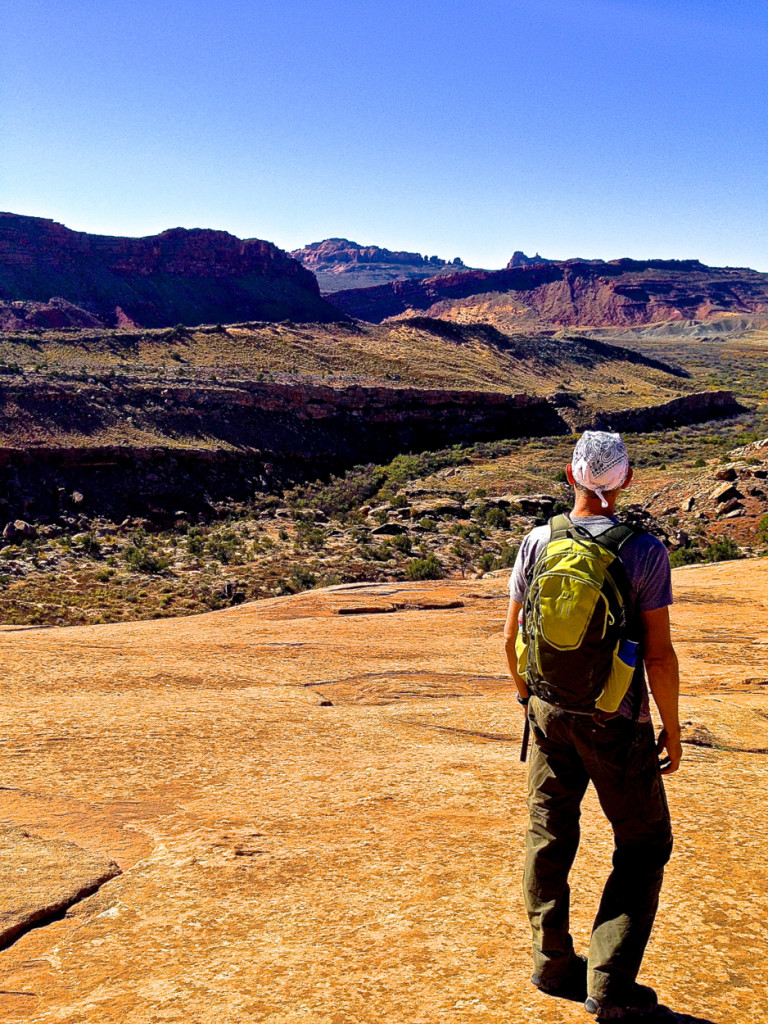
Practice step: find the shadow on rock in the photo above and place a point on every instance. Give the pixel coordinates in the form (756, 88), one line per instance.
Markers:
(664, 1013)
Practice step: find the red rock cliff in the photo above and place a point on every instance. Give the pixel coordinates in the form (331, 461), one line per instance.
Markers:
(188, 276)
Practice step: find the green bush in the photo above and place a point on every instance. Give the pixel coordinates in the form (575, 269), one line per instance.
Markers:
(139, 559)
(91, 545)
(723, 550)
(429, 568)
(341, 494)
(402, 542)
(310, 536)
(226, 547)
(195, 540)
(497, 519)
(685, 556)
(507, 556)
(302, 578)
(762, 529)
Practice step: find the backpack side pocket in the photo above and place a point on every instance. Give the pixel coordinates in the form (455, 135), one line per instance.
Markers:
(622, 671)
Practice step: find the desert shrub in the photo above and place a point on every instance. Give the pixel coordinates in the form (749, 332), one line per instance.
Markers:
(91, 545)
(471, 534)
(762, 529)
(195, 540)
(699, 463)
(429, 568)
(685, 556)
(723, 550)
(226, 547)
(302, 578)
(140, 559)
(380, 552)
(505, 559)
(428, 524)
(402, 542)
(507, 556)
(497, 519)
(342, 493)
(310, 537)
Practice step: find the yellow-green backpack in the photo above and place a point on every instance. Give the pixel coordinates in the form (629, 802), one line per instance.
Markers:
(578, 646)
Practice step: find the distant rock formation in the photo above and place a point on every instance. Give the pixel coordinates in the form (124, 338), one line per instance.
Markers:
(179, 276)
(519, 259)
(589, 293)
(339, 263)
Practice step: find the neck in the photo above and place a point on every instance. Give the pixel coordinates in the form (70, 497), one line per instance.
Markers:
(584, 506)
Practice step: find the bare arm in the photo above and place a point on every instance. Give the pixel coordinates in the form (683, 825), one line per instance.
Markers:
(510, 635)
(664, 679)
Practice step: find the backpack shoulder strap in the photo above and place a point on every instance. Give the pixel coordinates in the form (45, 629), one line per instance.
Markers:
(615, 537)
(559, 527)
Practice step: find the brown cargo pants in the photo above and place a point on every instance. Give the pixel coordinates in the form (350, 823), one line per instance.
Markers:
(619, 758)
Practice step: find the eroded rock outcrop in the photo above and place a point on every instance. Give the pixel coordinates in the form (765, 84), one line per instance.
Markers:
(228, 441)
(575, 292)
(339, 263)
(179, 276)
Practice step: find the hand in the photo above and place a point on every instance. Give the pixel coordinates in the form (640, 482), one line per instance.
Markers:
(674, 749)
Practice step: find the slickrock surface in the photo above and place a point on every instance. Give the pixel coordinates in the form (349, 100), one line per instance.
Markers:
(42, 878)
(318, 809)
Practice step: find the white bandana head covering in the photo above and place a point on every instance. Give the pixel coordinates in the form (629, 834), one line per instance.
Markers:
(600, 462)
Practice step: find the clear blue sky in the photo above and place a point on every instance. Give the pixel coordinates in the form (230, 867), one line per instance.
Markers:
(598, 128)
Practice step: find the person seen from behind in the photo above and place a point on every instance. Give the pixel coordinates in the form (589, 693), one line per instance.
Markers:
(588, 619)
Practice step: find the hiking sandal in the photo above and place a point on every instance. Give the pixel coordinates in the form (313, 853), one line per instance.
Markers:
(569, 984)
(640, 1000)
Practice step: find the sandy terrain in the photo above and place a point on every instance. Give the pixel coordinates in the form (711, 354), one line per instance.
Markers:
(319, 814)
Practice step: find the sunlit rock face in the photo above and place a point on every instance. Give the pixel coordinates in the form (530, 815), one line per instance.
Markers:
(587, 293)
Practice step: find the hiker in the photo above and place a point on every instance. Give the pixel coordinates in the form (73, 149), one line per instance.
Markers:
(589, 607)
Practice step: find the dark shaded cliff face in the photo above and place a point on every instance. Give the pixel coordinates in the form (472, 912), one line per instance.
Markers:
(232, 441)
(179, 276)
(577, 292)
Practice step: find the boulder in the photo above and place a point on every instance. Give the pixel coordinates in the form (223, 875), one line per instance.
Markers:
(388, 529)
(725, 492)
(18, 530)
(730, 506)
(726, 473)
(438, 509)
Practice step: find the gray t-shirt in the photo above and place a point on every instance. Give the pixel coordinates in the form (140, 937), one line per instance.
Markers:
(647, 564)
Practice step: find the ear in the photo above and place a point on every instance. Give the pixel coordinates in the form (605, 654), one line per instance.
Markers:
(569, 475)
(628, 480)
